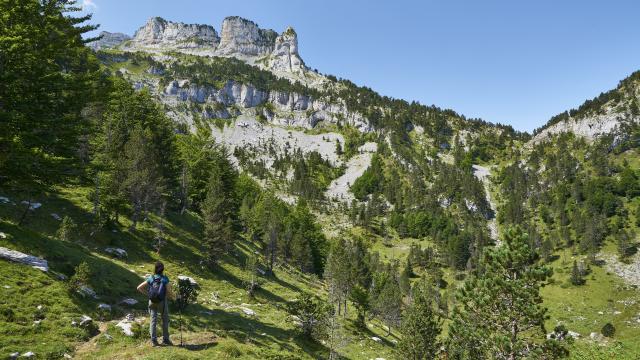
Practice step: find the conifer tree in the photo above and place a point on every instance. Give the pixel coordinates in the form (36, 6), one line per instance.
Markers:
(420, 327)
(359, 296)
(576, 274)
(220, 210)
(499, 312)
(388, 302)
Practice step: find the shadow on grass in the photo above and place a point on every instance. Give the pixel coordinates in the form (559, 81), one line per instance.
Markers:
(245, 329)
(110, 281)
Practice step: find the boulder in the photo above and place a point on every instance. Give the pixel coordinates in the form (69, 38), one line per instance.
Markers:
(596, 336)
(129, 301)
(32, 206)
(248, 311)
(190, 279)
(87, 291)
(26, 259)
(85, 321)
(117, 252)
(104, 307)
(125, 325)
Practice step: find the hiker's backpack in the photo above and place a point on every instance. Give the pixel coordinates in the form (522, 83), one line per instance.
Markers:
(157, 290)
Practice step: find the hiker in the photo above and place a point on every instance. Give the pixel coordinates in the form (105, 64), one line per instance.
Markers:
(157, 288)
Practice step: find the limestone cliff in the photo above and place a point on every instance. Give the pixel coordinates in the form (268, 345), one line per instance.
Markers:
(160, 33)
(109, 40)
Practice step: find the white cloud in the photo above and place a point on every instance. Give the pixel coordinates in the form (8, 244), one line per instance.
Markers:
(89, 5)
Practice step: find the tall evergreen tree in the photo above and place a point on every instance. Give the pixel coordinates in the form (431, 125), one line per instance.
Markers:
(47, 77)
(220, 210)
(499, 313)
(420, 326)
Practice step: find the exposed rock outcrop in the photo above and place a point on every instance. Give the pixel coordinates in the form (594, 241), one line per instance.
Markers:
(244, 37)
(239, 38)
(16, 256)
(289, 109)
(160, 33)
(285, 55)
(109, 40)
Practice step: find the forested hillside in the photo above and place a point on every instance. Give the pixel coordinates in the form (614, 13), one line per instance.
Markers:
(300, 216)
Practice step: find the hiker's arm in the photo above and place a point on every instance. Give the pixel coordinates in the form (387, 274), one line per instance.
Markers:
(142, 288)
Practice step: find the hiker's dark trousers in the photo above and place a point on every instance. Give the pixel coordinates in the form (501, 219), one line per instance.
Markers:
(162, 307)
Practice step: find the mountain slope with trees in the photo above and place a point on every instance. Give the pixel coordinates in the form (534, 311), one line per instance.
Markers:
(111, 160)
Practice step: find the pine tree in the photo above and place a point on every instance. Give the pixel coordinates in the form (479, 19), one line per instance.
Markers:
(220, 210)
(576, 274)
(338, 274)
(498, 312)
(142, 180)
(359, 296)
(388, 303)
(420, 327)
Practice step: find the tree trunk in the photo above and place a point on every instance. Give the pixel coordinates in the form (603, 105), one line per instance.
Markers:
(23, 217)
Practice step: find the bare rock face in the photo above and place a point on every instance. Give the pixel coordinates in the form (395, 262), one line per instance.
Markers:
(285, 55)
(158, 32)
(109, 40)
(244, 37)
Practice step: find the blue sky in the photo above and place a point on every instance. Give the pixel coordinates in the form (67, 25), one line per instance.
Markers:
(508, 61)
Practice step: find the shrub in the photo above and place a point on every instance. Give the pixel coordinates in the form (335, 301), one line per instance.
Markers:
(608, 330)
(81, 277)
(187, 293)
(67, 229)
(311, 313)
(230, 351)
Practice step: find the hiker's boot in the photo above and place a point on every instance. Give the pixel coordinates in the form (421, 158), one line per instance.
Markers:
(154, 343)
(167, 342)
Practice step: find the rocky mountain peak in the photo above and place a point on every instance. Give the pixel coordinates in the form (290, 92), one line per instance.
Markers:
(285, 56)
(109, 40)
(242, 36)
(160, 32)
(239, 38)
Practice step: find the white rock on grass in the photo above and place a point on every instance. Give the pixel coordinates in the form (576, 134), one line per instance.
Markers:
(85, 320)
(23, 258)
(573, 334)
(4, 200)
(56, 216)
(14, 355)
(28, 354)
(190, 279)
(105, 307)
(32, 206)
(87, 291)
(126, 327)
(248, 311)
(129, 301)
(118, 252)
(376, 339)
(3, 235)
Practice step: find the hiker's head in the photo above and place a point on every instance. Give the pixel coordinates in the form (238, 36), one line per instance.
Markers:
(159, 268)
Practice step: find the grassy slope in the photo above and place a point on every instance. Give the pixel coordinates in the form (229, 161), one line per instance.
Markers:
(225, 332)
(585, 309)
